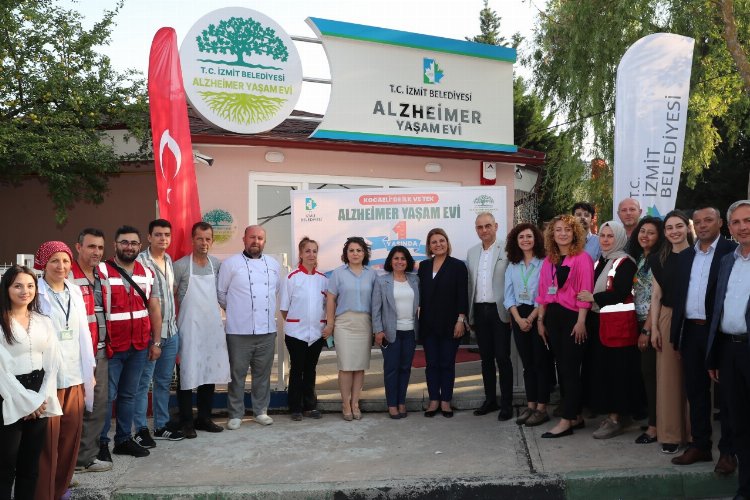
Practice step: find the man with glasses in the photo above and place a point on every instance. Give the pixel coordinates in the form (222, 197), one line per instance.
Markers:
(134, 335)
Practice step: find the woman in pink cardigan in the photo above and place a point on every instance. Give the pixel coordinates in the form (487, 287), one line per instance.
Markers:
(566, 271)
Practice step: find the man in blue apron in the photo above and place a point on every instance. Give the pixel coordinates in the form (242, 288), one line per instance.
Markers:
(204, 361)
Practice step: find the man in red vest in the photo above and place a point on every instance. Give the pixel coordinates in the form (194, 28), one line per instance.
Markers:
(134, 335)
(89, 274)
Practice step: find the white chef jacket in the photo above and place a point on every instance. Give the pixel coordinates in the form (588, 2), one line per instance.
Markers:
(303, 296)
(247, 291)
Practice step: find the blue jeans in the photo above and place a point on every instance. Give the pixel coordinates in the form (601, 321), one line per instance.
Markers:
(397, 358)
(125, 370)
(161, 371)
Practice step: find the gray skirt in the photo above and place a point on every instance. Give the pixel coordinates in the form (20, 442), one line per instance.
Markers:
(352, 336)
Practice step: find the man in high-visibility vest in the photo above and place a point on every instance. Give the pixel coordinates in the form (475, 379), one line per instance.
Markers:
(89, 274)
(134, 335)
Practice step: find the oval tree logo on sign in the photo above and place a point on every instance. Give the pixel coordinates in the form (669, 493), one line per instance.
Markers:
(241, 70)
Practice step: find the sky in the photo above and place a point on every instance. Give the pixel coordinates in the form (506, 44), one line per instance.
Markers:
(138, 21)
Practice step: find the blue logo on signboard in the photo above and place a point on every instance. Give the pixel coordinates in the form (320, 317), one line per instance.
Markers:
(310, 204)
(432, 72)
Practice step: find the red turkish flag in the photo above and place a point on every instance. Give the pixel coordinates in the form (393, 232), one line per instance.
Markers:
(176, 187)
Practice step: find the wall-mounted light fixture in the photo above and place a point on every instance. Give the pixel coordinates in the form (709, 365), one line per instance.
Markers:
(274, 157)
(433, 168)
(202, 158)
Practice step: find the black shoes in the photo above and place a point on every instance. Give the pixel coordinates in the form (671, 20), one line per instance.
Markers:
(550, 435)
(487, 407)
(314, 414)
(103, 455)
(144, 439)
(431, 413)
(207, 425)
(506, 413)
(645, 439)
(447, 413)
(130, 447)
(168, 434)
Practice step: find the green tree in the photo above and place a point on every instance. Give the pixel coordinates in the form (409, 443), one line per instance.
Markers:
(579, 45)
(57, 95)
(239, 36)
(533, 129)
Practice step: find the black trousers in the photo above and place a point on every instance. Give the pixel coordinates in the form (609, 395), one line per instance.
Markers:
(21, 445)
(698, 390)
(303, 362)
(493, 340)
(204, 401)
(535, 358)
(559, 323)
(734, 375)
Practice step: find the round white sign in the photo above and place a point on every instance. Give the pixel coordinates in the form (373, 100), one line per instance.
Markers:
(241, 70)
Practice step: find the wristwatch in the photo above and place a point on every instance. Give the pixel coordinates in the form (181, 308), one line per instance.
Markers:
(156, 344)
(645, 332)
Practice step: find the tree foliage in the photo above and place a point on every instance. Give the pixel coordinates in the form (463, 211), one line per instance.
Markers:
(579, 45)
(240, 37)
(533, 129)
(57, 94)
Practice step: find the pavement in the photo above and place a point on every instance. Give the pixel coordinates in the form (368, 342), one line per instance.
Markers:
(376, 458)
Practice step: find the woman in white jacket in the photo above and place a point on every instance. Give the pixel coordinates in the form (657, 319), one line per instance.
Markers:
(62, 302)
(303, 298)
(29, 359)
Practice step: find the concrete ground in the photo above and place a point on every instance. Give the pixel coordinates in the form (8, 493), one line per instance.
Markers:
(416, 457)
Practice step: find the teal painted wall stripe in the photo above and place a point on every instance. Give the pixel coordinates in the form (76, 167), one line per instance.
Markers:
(414, 40)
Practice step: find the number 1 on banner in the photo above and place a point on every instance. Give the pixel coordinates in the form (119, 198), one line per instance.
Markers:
(400, 230)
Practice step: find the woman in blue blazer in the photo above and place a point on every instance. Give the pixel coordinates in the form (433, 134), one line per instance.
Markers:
(444, 303)
(395, 299)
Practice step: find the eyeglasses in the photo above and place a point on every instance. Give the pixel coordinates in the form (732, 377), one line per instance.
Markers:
(126, 243)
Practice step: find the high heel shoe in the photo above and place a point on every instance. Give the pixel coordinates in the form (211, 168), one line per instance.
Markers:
(357, 414)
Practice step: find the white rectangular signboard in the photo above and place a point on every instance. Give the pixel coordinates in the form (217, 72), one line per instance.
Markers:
(406, 88)
(390, 217)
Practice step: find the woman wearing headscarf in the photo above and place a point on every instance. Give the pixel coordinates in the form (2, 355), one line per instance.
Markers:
(617, 387)
(62, 302)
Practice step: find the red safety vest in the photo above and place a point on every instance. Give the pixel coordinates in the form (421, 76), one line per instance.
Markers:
(78, 277)
(129, 324)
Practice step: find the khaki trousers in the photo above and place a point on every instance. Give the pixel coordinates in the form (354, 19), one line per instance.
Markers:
(58, 460)
(671, 403)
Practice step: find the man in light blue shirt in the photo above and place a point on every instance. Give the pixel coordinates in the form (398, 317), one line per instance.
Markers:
(728, 357)
(585, 213)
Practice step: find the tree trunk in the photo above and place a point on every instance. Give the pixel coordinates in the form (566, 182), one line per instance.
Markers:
(735, 49)
(733, 44)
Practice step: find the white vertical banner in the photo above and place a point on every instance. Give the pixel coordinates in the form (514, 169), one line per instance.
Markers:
(653, 89)
(389, 217)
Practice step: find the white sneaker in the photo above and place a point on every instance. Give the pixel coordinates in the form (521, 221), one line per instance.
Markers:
(234, 424)
(96, 466)
(263, 419)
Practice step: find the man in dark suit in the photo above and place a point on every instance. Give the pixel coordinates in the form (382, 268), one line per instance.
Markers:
(691, 317)
(728, 348)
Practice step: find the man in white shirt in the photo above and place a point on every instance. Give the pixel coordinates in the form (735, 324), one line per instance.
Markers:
(729, 354)
(698, 268)
(249, 283)
(488, 317)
